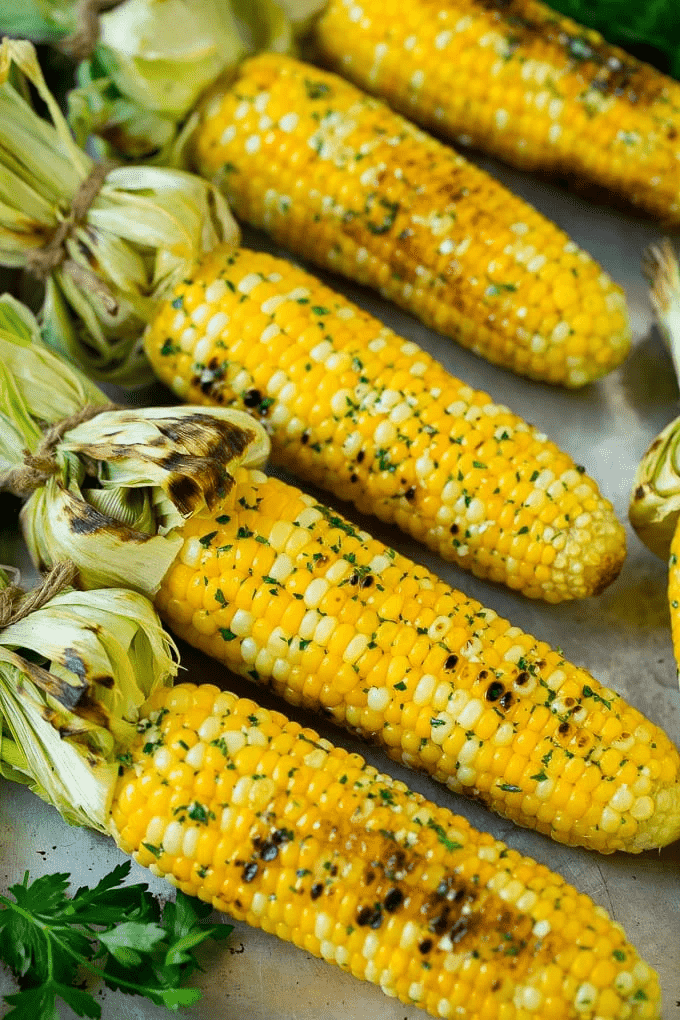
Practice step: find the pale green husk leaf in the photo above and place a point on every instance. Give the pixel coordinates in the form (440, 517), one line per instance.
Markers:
(142, 231)
(73, 676)
(125, 480)
(155, 58)
(654, 507)
(39, 20)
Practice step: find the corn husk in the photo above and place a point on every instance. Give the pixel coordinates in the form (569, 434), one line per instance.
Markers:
(123, 481)
(155, 58)
(654, 506)
(39, 20)
(144, 227)
(73, 676)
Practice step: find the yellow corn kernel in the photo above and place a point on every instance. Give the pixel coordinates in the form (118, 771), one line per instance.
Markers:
(460, 920)
(480, 508)
(354, 187)
(432, 712)
(482, 76)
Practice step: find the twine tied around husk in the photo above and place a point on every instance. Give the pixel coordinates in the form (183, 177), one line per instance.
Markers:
(16, 604)
(42, 464)
(81, 43)
(45, 260)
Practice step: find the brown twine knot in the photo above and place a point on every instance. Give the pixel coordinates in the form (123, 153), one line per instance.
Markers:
(41, 465)
(81, 43)
(16, 604)
(45, 260)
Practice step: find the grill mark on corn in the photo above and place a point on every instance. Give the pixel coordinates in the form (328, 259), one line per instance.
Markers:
(271, 596)
(345, 403)
(446, 907)
(531, 87)
(424, 236)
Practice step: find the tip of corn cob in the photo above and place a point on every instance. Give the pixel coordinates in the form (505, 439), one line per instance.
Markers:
(663, 825)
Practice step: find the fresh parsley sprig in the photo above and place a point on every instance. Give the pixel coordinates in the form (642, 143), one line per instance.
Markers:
(116, 932)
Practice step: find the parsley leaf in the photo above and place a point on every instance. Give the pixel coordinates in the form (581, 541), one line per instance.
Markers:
(115, 932)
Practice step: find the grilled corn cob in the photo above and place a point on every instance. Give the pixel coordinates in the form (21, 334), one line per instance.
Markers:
(289, 594)
(354, 408)
(261, 818)
(337, 177)
(521, 82)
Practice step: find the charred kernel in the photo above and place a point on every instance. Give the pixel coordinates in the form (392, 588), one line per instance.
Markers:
(251, 398)
(425, 946)
(269, 851)
(250, 871)
(521, 678)
(494, 691)
(393, 900)
(451, 662)
(506, 700)
(316, 890)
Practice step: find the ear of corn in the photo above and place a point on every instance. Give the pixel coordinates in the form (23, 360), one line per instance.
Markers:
(520, 82)
(263, 819)
(289, 594)
(337, 177)
(354, 408)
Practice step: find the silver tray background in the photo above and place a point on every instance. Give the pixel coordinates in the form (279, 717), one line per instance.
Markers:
(622, 637)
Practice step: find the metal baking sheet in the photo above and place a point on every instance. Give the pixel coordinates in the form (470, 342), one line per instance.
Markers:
(622, 637)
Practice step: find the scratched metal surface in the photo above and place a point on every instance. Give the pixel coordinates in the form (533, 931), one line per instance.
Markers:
(622, 637)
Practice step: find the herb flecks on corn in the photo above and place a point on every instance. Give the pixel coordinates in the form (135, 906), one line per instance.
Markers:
(520, 82)
(337, 177)
(286, 592)
(263, 819)
(354, 408)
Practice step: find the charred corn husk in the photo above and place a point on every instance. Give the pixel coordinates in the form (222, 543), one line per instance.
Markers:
(355, 409)
(521, 82)
(252, 813)
(261, 818)
(337, 177)
(290, 594)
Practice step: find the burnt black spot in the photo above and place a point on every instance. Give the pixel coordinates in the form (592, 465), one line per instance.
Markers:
(483, 674)
(304, 438)
(451, 662)
(85, 520)
(454, 529)
(439, 923)
(639, 492)
(353, 478)
(563, 729)
(360, 456)
(251, 398)
(425, 946)
(494, 691)
(281, 836)
(369, 876)
(367, 581)
(250, 871)
(104, 681)
(183, 490)
(269, 850)
(410, 494)
(316, 890)
(370, 917)
(393, 900)
(570, 702)
(496, 984)
(354, 579)
(521, 678)
(507, 700)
